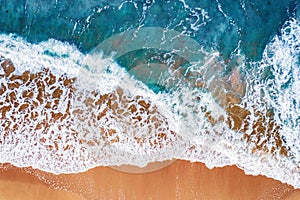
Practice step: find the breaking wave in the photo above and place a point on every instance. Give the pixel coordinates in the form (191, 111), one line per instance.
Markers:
(65, 112)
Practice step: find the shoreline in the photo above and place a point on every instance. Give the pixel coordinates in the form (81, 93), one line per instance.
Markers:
(179, 180)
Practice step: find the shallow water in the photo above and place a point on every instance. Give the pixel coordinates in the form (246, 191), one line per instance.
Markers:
(136, 82)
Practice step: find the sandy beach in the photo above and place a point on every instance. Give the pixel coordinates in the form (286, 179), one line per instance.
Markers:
(180, 180)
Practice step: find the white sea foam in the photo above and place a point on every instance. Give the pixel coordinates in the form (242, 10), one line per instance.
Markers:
(34, 57)
(283, 91)
(275, 85)
(182, 111)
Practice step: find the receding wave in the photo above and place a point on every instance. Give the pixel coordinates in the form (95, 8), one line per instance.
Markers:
(61, 114)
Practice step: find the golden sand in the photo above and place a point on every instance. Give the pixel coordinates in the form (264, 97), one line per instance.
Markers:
(180, 180)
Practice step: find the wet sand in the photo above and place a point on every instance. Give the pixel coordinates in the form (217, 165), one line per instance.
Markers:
(180, 180)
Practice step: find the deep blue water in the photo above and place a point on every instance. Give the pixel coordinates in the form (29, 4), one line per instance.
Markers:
(218, 25)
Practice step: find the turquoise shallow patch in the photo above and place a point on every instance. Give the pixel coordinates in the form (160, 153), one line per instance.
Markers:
(156, 88)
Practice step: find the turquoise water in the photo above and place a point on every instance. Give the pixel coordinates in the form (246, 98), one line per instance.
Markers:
(214, 24)
(183, 57)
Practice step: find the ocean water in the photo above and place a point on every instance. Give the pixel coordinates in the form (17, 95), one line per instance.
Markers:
(102, 83)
